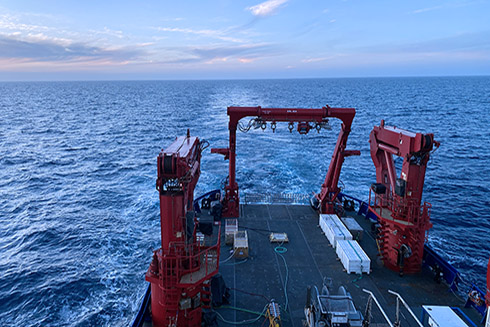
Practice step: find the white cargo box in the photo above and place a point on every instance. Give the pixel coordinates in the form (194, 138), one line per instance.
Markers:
(442, 316)
(240, 244)
(231, 227)
(353, 257)
(334, 229)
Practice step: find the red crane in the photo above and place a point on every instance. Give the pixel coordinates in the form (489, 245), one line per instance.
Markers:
(397, 201)
(487, 297)
(181, 268)
(307, 119)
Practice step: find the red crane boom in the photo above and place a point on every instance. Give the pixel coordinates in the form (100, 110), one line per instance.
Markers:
(307, 119)
(181, 268)
(397, 201)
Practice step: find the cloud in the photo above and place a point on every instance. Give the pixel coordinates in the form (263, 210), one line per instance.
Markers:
(216, 34)
(445, 6)
(418, 11)
(41, 48)
(460, 42)
(246, 60)
(266, 8)
(461, 49)
(107, 31)
(308, 60)
(173, 19)
(212, 54)
(9, 22)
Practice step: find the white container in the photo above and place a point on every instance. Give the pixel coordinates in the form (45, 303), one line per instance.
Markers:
(240, 244)
(334, 229)
(231, 227)
(353, 257)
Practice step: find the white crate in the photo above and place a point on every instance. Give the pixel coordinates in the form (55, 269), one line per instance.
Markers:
(231, 227)
(334, 229)
(353, 257)
(240, 244)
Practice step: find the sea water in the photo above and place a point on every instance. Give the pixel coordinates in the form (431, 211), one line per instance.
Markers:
(79, 211)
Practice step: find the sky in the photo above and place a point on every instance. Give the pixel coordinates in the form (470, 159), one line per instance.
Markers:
(234, 39)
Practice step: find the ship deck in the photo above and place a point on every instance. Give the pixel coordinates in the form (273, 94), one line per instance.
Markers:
(308, 260)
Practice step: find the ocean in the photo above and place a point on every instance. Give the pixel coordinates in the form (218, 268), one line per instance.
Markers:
(79, 211)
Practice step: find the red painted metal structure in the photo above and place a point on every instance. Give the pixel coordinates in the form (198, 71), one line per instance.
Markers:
(181, 268)
(404, 220)
(307, 119)
(487, 298)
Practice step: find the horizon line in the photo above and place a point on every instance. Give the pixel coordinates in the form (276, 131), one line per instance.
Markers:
(235, 79)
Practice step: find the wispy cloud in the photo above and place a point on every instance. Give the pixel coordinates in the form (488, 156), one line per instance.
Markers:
(216, 34)
(266, 8)
(44, 49)
(455, 43)
(244, 53)
(418, 11)
(448, 4)
(173, 19)
(461, 48)
(11, 23)
(246, 60)
(110, 32)
(308, 60)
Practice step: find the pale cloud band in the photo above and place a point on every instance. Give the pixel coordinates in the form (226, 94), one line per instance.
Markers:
(266, 8)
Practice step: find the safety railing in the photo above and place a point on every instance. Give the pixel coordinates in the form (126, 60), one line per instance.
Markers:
(408, 210)
(188, 264)
(275, 198)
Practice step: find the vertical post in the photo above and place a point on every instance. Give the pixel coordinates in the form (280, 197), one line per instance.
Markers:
(367, 318)
(232, 164)
(231, 202)
(397, 316)
(391, 169)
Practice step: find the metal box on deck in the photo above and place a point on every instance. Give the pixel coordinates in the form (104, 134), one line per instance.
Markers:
(240, 244)
(354, 228)
(334, 229)
(441, 316)
(231, 227)
(353, 257)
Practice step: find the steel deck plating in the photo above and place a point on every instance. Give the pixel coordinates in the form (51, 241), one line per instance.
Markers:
(309, 260)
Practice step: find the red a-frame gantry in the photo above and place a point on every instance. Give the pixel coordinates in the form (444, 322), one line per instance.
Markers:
(306, 119)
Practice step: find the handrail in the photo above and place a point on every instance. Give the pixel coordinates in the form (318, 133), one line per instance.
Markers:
(186, 258)
(403, 208)
(371, 295)
(399, 298)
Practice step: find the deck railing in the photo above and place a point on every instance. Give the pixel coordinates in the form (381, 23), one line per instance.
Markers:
(275, 198)
(408, 210)
(197, 261)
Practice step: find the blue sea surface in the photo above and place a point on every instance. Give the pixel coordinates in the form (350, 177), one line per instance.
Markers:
(79, 211)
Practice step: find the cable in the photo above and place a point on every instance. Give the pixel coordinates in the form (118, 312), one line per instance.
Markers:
(356, 280)
(243, 322)
(203, 145)
(239, 309)
(457, 296)
(280, 250)
(258, 229)
(231, 256)
(250, 293)
(235, 263)
(251, 122)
